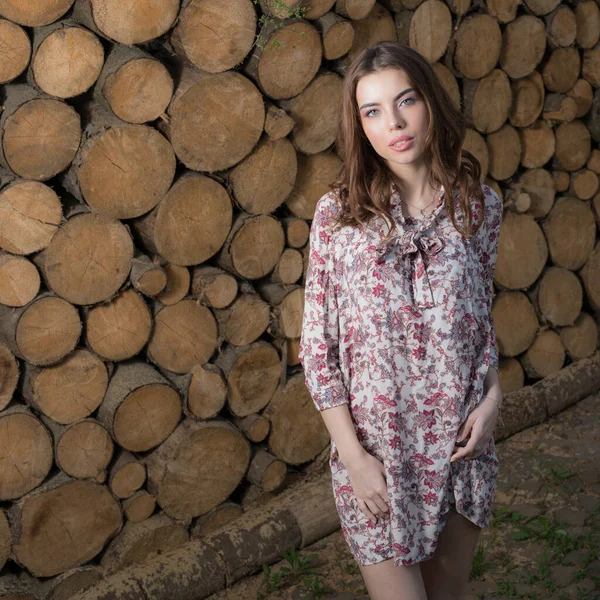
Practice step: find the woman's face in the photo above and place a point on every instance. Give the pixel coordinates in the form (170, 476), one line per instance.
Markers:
(390, 110)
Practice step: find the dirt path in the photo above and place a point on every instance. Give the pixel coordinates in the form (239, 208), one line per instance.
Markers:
(543, 543)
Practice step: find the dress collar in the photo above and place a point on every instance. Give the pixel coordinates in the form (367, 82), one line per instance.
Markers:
(422, 224)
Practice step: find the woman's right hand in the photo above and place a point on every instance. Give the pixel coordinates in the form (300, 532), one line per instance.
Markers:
(367, 478)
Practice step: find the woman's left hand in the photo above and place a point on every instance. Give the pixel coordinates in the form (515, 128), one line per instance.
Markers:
(480, 425)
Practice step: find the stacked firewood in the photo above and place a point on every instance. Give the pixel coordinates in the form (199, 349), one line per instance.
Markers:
(160, 163)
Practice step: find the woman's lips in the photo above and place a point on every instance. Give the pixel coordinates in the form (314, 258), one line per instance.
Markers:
(402, 146)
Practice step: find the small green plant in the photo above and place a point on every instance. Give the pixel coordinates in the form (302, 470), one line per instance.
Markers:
(478, 564)
(266, 20)
(299, 569)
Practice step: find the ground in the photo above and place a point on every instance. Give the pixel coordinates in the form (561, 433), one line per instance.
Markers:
(543, 542)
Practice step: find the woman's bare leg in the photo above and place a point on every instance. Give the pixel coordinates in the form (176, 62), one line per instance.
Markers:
(446, 574)
(387, 581)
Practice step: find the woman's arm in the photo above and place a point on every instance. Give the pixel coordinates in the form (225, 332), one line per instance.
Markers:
(319, 342)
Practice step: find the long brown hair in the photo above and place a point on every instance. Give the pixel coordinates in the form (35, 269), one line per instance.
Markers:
(364, 183)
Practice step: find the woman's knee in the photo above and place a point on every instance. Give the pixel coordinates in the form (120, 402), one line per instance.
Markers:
(387, 581)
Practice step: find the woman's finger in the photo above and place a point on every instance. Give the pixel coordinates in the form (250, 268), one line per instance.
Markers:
(365, 510)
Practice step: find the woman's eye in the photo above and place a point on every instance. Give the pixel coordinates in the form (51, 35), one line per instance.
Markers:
(368, 113)
(406, 99)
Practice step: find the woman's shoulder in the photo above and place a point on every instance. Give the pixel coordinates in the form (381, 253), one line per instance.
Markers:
(493, 201)
(328, 207)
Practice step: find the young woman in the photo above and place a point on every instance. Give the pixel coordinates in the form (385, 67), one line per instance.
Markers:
(398, 344)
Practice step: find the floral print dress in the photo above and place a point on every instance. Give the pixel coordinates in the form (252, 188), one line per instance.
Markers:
(401, 331)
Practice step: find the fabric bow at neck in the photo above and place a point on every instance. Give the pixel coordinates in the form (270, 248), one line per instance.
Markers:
(413, 244)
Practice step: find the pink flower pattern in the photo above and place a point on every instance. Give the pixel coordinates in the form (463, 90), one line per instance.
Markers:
(401, 331)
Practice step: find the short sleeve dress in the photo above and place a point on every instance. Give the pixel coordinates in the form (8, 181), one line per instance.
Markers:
(401, 331)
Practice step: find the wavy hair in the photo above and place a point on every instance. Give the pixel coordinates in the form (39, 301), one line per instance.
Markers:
(364, 183)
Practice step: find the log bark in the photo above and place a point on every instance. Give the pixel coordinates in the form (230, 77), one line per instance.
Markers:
(317, 8)
(573, 146)
(315, 173)
(197, 467)
(178, 284)
(33, 13)
(139, 506)
(184, 335)
(121, 171)
(504, 147)
(203, 390)
(74, 581)
(511, 375)
(266, 177)
(583, 95)
(433, 17)
(214, 520)
(140, 408)
(558, 297)
(316, 112)
(119, 329)
(354, 9)
(26, 452)
(522, 252)
(19, 280)
(85, 516)
(287, 303)
(214, 119)
(538, 144)
(15, 52)
(82, 450)
(43, 332)
(266, 471)
(213, 287)
(214, 36)
(68, 391)
(538, 184)
(527, 100)
(590, 274)
(487, 101)
(561, 27)
(147, 276)
(337, 35)
(587, 22)
(584, 184)
(590, 69)
(309, 436)
(66, 59)
(129, 21)
(253, 246)
(377, 26)
(277, 122)
(252, 373)
(296, 232)
(561, 71)
(559, 108)
(523, 46)
(255, 426)
(580, 340)
(541, 7)
(545, 356)
(191, 222)
(515, 322)
(5, 541)
(32, 122)
(9, 376)
(570, 229)
(127, 475)
(294, 42)
(88, 259)
(135, 86)
(138, 542)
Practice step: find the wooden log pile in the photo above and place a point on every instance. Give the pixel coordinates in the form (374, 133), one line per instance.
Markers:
(160, 163)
